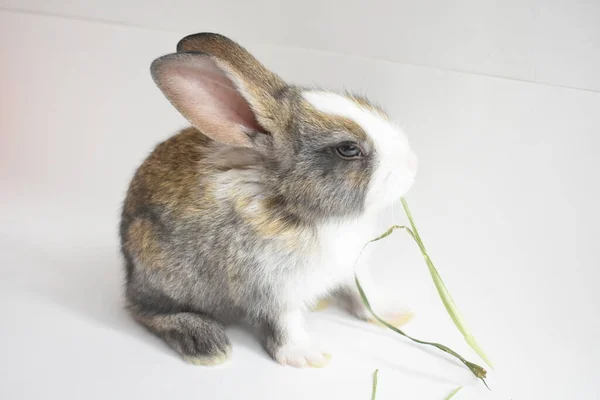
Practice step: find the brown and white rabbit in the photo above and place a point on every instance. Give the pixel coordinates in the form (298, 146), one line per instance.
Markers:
(259, 209)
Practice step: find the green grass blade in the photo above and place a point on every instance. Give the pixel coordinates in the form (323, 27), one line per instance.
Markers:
(374, 391)
(452, 393)
(443, 292)
(477, 370)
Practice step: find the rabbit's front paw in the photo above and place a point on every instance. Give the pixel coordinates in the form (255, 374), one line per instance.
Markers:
(302, 355)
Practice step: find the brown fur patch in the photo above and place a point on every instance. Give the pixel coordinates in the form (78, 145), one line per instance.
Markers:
(143, 244)
(171, 176)
(329, 123)
(314, 120)
(267, 222)
(227, 158)
(325, 122)
(334, 123)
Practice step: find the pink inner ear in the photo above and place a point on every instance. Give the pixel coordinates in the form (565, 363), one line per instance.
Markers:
(204, 94)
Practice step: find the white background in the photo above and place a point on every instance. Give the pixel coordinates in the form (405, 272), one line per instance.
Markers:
(501, 101)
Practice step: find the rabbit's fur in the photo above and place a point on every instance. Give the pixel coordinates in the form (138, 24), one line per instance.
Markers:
(257, 210)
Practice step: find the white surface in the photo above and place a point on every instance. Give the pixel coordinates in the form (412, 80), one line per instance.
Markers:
(555, 42)
(506, 200)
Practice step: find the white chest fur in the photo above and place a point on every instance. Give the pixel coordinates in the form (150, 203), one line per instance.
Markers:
(332, 261)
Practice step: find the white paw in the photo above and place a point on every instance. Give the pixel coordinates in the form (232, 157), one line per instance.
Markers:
(302, 355)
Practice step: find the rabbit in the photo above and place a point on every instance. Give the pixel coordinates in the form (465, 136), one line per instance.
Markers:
(257, 210)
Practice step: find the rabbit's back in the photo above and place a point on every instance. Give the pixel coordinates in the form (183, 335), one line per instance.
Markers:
(168, 232)
(192, 239)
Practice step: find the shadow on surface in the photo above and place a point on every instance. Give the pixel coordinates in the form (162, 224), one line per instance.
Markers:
(89, 282)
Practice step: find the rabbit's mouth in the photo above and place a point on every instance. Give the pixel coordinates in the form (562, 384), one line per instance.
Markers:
(389, 190)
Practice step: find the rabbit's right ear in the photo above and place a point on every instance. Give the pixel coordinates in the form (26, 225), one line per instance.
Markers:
(222, 89)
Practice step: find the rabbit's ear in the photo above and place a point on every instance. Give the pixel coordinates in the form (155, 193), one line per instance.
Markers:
(221, 89)
(235, 59)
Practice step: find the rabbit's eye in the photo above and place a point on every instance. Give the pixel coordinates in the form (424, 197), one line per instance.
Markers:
(349, 151)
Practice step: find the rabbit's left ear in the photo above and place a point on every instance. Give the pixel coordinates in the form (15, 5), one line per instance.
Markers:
(257, 84)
